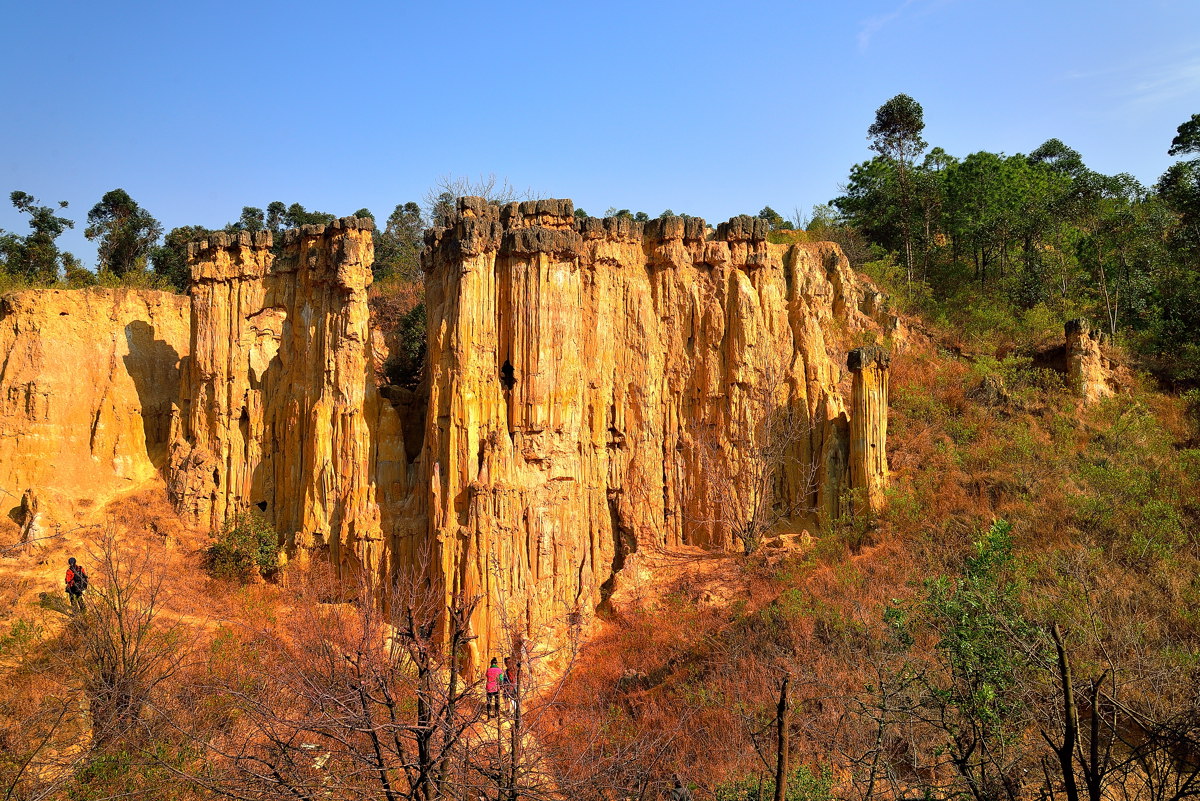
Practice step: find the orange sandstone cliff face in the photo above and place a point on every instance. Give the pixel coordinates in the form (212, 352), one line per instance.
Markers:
(87, 380)
(279, 412)
(583, 372)
(593, 389)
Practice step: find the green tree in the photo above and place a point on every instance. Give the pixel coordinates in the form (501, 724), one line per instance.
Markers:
(276, 211)
(126, 233)
(398, 245)
(35, 256)
(170, 258)
(896, 135)
(252, 219)
(1124, 250)
(296, 215)
(1187, 138)
(988, 650)
(1058, 157)
(1173, 341)
(870, 203)
(775, 219)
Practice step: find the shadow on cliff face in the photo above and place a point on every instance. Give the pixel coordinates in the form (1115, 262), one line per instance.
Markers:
(154, 367)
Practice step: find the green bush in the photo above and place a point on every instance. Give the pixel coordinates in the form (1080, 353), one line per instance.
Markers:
(803, 785)
(247, 545)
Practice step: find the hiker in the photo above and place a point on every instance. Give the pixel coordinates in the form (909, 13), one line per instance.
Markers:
(512, 676)
(679, 792)
(495, 676)
(77, 582)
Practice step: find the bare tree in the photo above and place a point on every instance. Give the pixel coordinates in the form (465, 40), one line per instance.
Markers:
(124, 647)
(439, 199)
(754, 474)
(79, 694)
(360, 699)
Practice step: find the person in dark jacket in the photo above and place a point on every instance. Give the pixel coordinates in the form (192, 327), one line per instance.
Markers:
(679, 792)
(76, 584)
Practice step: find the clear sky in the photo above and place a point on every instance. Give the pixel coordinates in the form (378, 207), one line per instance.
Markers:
(714, 109)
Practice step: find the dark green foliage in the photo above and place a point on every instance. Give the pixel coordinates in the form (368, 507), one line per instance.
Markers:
(1187, 138)
(296, 216)
(802, 785)
(169, 260)
(275, 212)
(248, 545)
(1058, 157)
(775, 219)
(126, 233)
(35, 256)
(993, 238)
(252, 219)
(641, 216)
(398, 245)
(896, 132)
(403, 368)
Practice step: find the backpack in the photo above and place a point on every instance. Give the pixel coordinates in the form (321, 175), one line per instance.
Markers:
(79, 579)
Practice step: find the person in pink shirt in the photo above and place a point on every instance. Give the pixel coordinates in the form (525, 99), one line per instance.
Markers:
(495, 677)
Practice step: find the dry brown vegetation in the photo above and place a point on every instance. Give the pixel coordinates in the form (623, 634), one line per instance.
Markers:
(1103, 507)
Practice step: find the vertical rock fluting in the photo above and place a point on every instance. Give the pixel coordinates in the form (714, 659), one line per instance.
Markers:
(279, 410)
(868, 426)
(591, 383)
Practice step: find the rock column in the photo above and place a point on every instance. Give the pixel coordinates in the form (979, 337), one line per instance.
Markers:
(868, 425)
(1088, 371)
(280, 410)
(599, 388)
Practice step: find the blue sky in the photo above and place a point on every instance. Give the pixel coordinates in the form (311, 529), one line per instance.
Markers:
(198, 109)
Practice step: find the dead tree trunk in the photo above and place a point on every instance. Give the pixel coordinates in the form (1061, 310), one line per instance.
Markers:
(781, 742)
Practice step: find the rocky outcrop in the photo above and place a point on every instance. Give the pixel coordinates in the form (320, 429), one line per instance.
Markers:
(868, 425)
(87, 380)
(1091, 374)
(579, 369)
(279, 412)
(593, 390)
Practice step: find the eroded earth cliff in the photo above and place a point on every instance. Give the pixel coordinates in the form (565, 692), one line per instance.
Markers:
(87, 381)
(279, 410)
(600, 386)
(594, 389)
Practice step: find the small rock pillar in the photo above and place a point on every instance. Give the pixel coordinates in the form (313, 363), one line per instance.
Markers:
(868, 425)
(1087, 369)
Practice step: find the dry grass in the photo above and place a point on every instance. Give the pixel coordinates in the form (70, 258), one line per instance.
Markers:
(960, 459)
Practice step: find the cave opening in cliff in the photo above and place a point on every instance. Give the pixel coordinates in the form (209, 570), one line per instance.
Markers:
(624, 543)
(508, 377)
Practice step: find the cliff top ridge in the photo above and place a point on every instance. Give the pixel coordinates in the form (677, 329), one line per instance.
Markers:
(550, 226)
(266, 239)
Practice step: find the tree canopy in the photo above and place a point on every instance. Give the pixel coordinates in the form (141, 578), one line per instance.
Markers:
(126, 233)
(36, 256)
